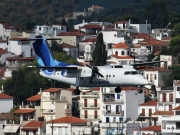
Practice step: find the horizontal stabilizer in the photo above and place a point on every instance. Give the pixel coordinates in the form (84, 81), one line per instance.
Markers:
(56, 68)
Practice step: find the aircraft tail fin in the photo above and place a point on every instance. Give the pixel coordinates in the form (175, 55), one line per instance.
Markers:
(44, 55)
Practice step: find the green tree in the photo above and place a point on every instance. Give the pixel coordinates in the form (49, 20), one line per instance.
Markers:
(157, 13)
(175, 30)
(99, 54)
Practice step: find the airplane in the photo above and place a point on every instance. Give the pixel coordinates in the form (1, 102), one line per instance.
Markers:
(88, 76)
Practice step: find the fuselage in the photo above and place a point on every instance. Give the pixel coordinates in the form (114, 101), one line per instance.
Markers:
(112, 77)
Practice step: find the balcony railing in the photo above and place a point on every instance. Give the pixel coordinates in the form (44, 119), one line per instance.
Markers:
(48, 111)
(109, 112)
(107, 100)
(90, 96)
(91, 117)
(165, 99)
(92, 106)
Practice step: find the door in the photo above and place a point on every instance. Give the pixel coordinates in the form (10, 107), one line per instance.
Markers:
(170, 107)
(85, 102)
(95, 115)
(143, 112)
(95, 102)
(85, 114)
(150, 112)
(171, 97)
(107, 119)
(164, 97)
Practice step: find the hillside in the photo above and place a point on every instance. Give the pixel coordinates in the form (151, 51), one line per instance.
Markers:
(20, 12)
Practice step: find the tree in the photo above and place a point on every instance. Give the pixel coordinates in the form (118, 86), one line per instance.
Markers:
(99, 54)
(175, 30)
(157, 13)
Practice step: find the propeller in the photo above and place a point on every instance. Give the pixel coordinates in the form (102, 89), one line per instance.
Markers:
(95, 70)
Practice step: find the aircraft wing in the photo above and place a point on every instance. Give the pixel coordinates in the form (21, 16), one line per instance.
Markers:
(146, 63)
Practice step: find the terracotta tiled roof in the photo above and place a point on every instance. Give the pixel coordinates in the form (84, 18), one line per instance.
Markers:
(34, 98)
(33, 125)
(52, 90)
(5, 96)
(163, 113)
(3, 41)
(95, 89)
(177, 108)
(75, 30)
(121, 45)
(153, 42)
(2, 51)
(157, 69)
(95, 6)
(21, 59)
(19, 111)
(64, 45)
(69, 119)
(150, 103)
(91, 26)
(141, 36)
(90, 40)
(122, 57)
(121, 22)
(7, 116)
(77, 34)
(129, 88)
(151, 128)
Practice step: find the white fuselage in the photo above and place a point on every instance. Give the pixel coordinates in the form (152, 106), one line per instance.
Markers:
(113, 77)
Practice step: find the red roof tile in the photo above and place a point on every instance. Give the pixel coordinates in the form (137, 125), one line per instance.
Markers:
(157, 69)
(177, 108)
(121, 22)
(34, 98)
(64, 45)
(122, 57)
(5, 96)
(77, 34)
(90, 40)
(141, 35)
(76, 98)
(33, 125)
(151, 128)
(163, 113)
(121, 45)
(91, 26)
(150, 103)
(19, 111)
(68, 119)
(52, 90)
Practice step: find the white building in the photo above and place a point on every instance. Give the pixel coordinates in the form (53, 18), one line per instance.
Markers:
(49, 30)
(4, 55)
(19, 47)
(119, 108)
(56, 103)
(70, 50)
(155, 75)
(6, 29)
(169, 61)
(6, 102)
(68, 125)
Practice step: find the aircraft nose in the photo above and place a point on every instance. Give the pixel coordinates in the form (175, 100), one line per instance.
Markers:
(145, 82)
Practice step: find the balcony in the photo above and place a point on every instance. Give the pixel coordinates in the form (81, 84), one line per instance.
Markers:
(89, 106)
(109, 112)
(165, 100)
(90, 96)
(67, 111)
(49, 111)
(90, 117)
(145, 115)
(113, 100)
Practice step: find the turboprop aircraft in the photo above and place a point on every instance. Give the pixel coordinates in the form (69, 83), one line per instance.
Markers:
(87, 76)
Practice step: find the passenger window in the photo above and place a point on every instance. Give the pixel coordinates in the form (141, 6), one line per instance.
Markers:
(133, 72)
(127, 73)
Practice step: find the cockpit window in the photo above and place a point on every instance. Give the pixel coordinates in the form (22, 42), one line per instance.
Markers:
(127, 73)
(130, 73)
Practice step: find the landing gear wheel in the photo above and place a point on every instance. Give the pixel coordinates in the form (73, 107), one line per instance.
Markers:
(76, 92)
(140, 91)
(117, 90)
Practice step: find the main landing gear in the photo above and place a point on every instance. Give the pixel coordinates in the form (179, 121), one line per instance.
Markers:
(140, 90)
(117, 90)
(77, 91)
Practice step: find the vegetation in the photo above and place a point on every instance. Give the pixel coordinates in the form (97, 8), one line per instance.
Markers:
(99, 54)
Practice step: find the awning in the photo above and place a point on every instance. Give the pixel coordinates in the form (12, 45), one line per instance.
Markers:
(10, 128)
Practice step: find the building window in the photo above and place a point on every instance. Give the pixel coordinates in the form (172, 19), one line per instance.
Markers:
(122, 53)
(114, 35)
(39, 28)
(146, 76)
(155, 77)
(116, 53)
